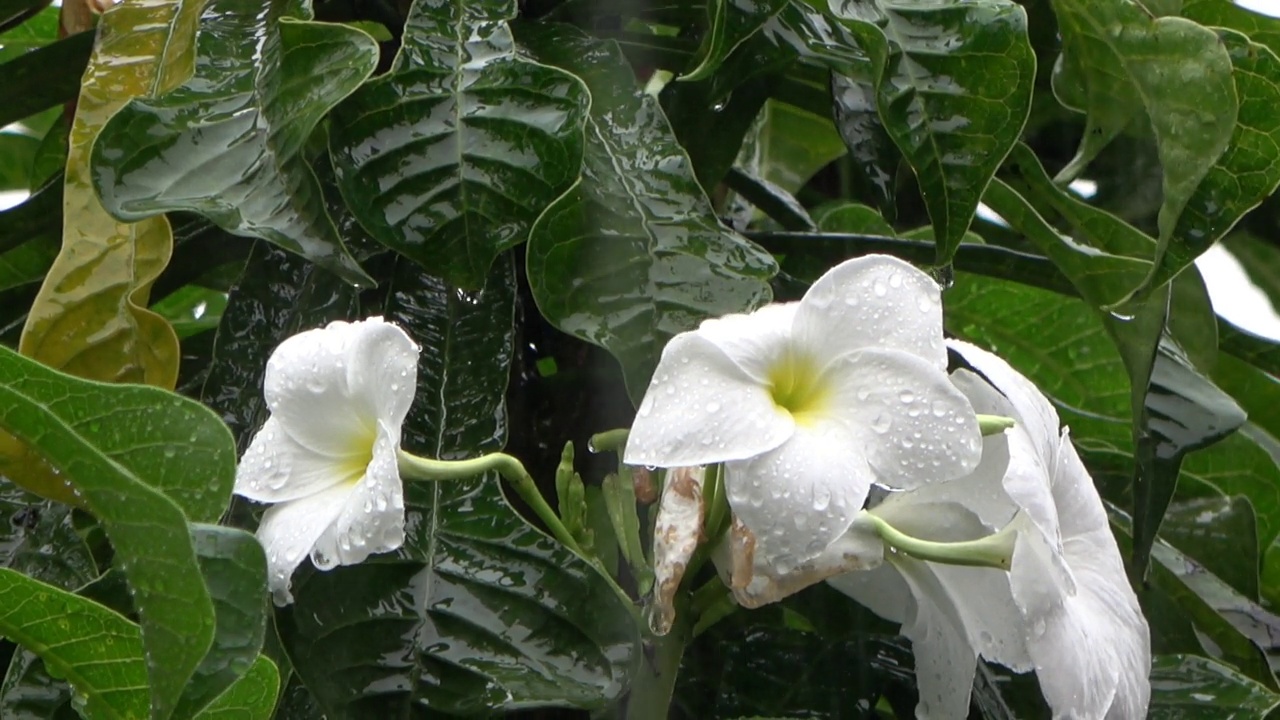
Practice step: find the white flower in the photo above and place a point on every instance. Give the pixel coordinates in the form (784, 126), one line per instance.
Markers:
(808, 403)
(327, 455)
(1065, 609)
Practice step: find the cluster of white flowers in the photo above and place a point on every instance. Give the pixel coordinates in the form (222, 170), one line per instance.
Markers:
(811, 405)
(849, 455)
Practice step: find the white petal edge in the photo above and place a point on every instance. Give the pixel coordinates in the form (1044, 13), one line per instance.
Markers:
(1031, 408)
(307, 390)
(288, 532)
(701, 408)
(372, 517)
(906, 417)
(797, 499)
(945, 658)
(875, 301)
(382, 371)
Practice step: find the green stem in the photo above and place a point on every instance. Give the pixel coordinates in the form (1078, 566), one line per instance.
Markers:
(994, 551)
(609, 440)
(512, 470)
(994, 424)
(655, 680)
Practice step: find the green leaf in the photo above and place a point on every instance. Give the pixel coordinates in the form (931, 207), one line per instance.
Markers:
(192, 309)
(619, 493)
(953, 89)
(849, 217)
(235, 571)
(38, 540)
(251, 697)
(1119, 64)
(731, 23)
(1247, 171)
(874, 156)
(791, 145)
(98, 651)
(1185, 687)
(778, 204)
(634, 253)
(27, 263)
(451, 156)
(1224, 533)
(229, 143)
(139, 457)
(477, 611)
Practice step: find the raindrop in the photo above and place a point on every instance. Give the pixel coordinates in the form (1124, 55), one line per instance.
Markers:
(906, 396)
(821, 498)
(939, 409)
(895, 280)
(880, 288)
(882, 422)
(713, 407)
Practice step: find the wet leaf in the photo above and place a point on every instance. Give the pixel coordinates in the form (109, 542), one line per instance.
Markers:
(251, 697)
(1119, 63)
(731, 23)
(98, 651)
(790, 145)
(229, 142)
(1185, 687)
(634, 253)
(138, 456)
(875, 158)
(45, 77)
(1223, 534)
(953, 87)
(1247, 171)
(451, 156)
(477, 611)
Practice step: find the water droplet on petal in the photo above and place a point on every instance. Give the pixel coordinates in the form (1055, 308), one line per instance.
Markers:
(880, 288)
(906, 396)
(882, 422)
(821, 498)
(713, 407)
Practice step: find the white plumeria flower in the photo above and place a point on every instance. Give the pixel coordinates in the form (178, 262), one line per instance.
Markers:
(809, 402)
(1065, 609)
(327, 455)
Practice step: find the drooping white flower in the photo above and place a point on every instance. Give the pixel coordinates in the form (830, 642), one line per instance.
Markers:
(1065, 609)
(810, 402)
(326, 458)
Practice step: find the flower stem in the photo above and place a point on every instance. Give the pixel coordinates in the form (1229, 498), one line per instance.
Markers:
(994, 424)
(994, 551)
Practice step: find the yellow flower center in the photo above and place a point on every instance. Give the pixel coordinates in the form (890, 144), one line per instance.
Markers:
(795, 385)
(355, 461)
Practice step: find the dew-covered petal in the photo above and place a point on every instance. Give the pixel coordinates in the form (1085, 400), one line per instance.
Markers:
(307, 390)
(289, 530)
(803, 495)
(874, 301)
(383, 369)
(1032, 410)
(754, 341)
(908, 420)
(276, 468)
(372, 518)
(701, 408)
(859, 549)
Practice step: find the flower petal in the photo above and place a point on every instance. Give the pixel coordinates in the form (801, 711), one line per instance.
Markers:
(1029, 406)
(372, 518)
(859, 549)
(383, 370)
(873, 301)
(1093, 656)
(676, 532)
(701, 408)
(803, 495)
(910, 422)
(881, 590)
(289, 530)
(754, 341)
(276, 468)
(307, 390)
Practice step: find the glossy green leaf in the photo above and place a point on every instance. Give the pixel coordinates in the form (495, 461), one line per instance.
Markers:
(477, 611)
(848, 217)
(251, 697)
(1119, 63)
(139, 457)
(38, 540)
(191, 310)
(451, 156)
(634, 253)
(731, 23)
(953, 89)
(790, 145)
(1247, 171)
(1195, 688)
(27, 263)
(1260, 28)
(98, 651)
(229, 142)
(235, 571)
(874, 156)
